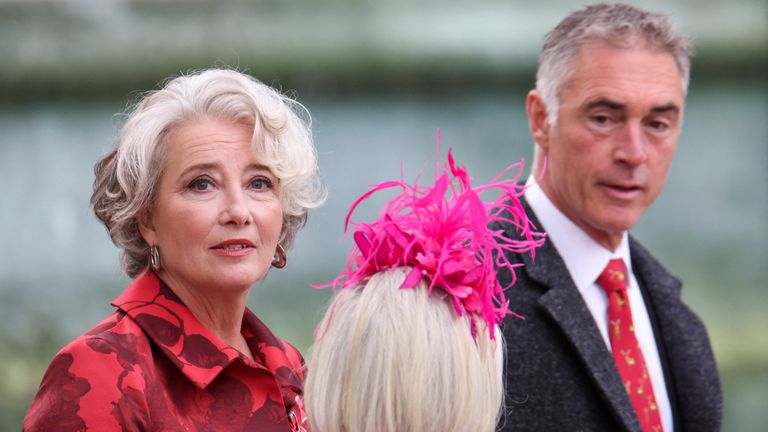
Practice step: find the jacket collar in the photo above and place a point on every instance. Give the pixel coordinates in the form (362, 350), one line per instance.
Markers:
(192, 348)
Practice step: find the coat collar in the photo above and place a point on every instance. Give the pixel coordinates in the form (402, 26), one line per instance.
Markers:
(192, 348)
(664, 286)
(564, 304)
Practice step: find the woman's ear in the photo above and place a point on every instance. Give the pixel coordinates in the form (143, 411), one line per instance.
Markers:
(146, 228)
(538, 119)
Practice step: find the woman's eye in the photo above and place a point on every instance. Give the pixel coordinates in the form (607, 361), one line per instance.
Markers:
(260, 183)
(200, 184)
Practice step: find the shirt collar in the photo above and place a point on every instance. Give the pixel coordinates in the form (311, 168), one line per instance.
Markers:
(193, 349)
(583, 256)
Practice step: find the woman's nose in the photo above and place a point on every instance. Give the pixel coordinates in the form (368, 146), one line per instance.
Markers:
(235, 209)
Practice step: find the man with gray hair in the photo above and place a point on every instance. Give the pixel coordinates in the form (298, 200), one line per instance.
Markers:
(607, 343)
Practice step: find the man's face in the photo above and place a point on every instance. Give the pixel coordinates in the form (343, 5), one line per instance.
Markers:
(611, 147)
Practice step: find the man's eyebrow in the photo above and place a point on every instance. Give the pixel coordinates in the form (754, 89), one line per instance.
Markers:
(670, 107)
(613, 105)
(605, 103)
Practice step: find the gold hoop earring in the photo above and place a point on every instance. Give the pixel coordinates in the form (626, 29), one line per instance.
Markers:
(280, 259)
(154, 258)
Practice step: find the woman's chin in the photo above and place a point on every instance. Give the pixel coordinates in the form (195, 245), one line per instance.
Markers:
(233, 279)
(234, 282)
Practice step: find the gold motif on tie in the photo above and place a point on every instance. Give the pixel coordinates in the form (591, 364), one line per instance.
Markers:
(622, 302)
(616, 324)
(615, 274)
(628, 358)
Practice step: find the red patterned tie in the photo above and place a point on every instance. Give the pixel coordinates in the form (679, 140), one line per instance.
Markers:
(626, 350)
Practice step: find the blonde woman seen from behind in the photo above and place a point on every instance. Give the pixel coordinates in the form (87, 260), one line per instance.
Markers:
(391, 359)
(409, 342)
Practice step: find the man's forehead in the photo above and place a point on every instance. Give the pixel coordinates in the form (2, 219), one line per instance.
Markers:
(612, 75)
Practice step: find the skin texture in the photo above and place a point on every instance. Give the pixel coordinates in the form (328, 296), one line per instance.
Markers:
(214, 190)
(609, 152)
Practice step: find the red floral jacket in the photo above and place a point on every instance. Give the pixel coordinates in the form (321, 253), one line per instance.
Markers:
(152, 366)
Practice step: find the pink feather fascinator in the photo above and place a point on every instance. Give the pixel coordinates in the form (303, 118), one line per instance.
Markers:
(442, 232)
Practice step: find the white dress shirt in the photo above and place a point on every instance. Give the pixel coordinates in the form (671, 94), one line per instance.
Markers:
(585, 260)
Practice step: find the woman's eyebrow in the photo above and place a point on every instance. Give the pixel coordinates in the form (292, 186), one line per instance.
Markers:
(204, 166)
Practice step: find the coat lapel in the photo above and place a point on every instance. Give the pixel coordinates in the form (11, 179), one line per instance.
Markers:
(661, 293)
(565, 305)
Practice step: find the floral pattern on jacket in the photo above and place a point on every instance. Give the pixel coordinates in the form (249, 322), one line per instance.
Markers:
(151, 365)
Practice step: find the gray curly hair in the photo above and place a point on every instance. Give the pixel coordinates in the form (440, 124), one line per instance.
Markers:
(128, 175)
(618, 25)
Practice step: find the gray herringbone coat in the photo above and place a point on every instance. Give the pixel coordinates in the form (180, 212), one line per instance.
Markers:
(560, 376)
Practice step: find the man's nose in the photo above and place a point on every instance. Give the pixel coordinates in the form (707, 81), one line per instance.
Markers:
(631, 146)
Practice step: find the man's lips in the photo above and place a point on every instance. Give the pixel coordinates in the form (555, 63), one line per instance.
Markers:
(234, 247)
(621, 191)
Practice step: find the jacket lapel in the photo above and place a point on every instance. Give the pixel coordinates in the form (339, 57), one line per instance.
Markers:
(565, 305)
(661, 293)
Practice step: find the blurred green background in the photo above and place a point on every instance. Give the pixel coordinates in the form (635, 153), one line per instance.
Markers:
(379, 76)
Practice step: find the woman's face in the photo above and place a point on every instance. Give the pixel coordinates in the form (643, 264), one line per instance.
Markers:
(217, 216)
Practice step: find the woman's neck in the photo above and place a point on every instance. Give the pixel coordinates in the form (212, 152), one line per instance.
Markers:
(219, 311)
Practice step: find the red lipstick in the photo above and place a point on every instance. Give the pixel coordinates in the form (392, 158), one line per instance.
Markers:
(233, 247)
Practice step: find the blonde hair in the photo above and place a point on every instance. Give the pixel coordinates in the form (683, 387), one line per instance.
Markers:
(401, 360)
(128, 175)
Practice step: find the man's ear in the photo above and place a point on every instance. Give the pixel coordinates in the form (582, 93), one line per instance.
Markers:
(146, 228)
(538, 119)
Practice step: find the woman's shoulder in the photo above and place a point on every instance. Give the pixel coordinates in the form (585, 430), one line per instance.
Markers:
(116, 334)
(77, 388)
(107, 350)
(293, 356)
(277, 355)
(288, 357)
(265, 345)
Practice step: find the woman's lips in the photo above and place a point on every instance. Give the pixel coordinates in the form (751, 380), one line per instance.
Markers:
(234, 248)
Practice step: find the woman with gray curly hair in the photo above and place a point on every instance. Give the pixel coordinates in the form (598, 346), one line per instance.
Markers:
(208, 182)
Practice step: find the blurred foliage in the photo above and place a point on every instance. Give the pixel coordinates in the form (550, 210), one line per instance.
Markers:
(88, 48)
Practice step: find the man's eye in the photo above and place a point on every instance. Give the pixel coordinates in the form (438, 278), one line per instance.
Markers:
(601, 119)
(658, 125)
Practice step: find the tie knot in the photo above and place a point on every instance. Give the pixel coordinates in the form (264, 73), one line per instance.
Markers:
(614, 277)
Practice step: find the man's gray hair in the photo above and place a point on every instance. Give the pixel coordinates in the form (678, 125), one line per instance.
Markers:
(617, 25)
